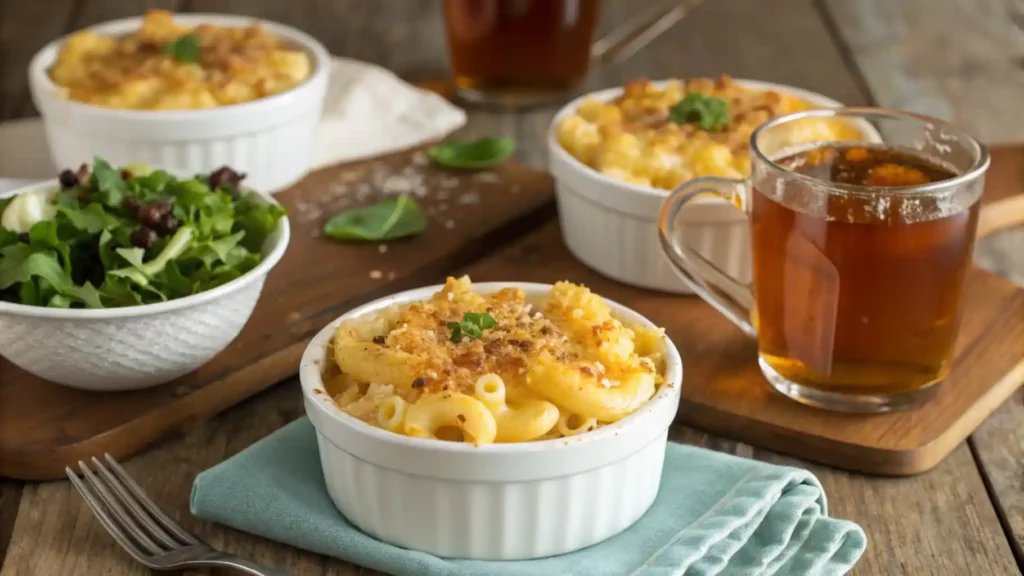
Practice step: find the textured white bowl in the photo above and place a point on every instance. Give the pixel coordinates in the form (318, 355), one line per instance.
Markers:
(133, 347)
(270, 139)
(612, 226)
(494, 502)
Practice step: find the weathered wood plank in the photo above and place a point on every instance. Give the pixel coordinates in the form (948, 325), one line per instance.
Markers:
(999, 443)
(961, 60)
(783, 41)
(908, 61)
(907, 521)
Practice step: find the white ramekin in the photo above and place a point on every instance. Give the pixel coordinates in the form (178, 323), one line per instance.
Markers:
(494, 502)
(612, 226)
(270, 139)
(133, 347)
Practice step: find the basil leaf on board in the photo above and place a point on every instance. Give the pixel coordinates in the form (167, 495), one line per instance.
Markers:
(475, 155)
(184, 49)
(393, 218)
(709, 112)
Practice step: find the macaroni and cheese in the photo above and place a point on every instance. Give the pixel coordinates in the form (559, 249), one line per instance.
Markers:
(487, 368)
(164, 66)
(644, 137)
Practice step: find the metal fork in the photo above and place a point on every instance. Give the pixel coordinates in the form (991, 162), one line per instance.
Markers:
(142, 529)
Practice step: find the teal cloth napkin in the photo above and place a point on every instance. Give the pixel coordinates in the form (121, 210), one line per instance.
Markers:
(715, 514)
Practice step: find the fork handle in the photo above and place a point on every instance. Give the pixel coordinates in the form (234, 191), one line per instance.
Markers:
(222, 560)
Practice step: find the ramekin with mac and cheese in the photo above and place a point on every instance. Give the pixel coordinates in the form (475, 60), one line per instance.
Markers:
(497, 421)
(615, 154)
(192, 92)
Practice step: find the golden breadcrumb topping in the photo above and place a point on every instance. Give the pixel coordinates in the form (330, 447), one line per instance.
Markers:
(163, 65)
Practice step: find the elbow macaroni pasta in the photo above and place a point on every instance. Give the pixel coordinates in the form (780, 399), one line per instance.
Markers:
(133, 71)
(632, 140)
(534, 375)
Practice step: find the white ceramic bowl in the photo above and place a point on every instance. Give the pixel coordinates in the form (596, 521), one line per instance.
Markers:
(270, 139)
(612, 226)
(133, 347)
(494, 502)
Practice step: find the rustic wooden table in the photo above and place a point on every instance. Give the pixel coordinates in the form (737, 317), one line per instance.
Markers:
(964, 517)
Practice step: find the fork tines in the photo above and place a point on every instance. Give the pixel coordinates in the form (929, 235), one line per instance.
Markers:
(130, 516)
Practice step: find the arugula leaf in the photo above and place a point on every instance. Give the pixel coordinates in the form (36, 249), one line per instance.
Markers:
(709, 112)
(184, 49)
(215, 251)
(119, 292)
(472, 326)
(7, 237)
(475, 155)
(258, 219)
(141, 272)
(110, 187)
(393, 218)
(91, 220)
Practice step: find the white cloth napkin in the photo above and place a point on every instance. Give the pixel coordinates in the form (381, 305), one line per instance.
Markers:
(369, 111)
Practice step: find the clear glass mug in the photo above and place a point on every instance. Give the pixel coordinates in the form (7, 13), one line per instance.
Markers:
(856, 294)
(513, 53)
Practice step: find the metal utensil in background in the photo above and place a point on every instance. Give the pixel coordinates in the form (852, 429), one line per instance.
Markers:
(639, 31)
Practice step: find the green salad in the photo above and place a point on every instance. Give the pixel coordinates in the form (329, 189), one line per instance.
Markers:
(112, 237)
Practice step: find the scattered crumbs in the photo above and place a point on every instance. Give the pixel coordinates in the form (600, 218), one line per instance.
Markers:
(420, 159)
(391, 275)
(376, 274)
(448, 182)
(486, 177)
(442, 195)
(294, 317)
(382, 248)
(514, 189)
(442, 206)
(449, 224)
(469, 198)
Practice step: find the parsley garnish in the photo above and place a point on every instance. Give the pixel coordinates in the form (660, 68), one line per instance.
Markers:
(708, 112)
(185, 49)
(472, 326)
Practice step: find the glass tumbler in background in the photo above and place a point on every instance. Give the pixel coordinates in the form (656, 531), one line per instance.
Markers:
(513, 53)
(857, 287)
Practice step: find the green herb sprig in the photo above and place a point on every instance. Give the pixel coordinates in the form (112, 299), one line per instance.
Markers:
(184, 49)
(476, 155)
(709, 112)
(393, 218)
(472, 326)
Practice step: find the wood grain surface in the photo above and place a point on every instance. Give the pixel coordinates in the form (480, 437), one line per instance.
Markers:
(45, 427)
(725, 393)
(947, 521)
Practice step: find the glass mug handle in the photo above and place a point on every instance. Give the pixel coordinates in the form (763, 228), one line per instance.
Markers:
(734, 299)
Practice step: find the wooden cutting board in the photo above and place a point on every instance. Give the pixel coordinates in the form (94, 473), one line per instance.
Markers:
(44, 427)
(500, 226)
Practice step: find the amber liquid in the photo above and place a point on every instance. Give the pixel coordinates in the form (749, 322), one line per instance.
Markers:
(520, 48)
(866, 301)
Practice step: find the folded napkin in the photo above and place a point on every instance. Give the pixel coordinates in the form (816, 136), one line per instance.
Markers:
(715, 514)
(368, 112)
